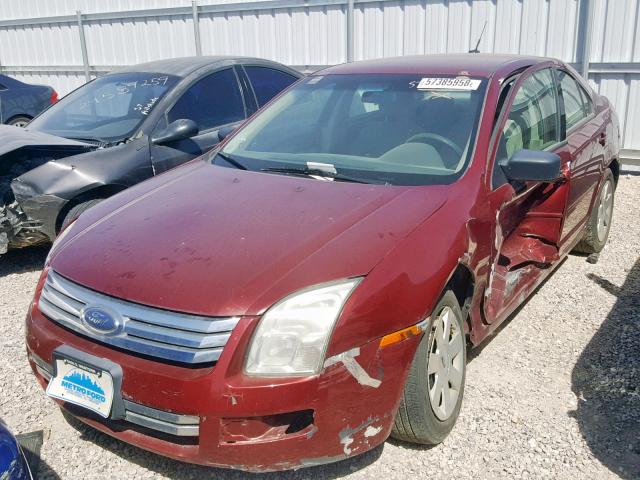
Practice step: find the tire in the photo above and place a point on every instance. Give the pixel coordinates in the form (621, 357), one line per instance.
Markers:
(19, 121)
(78, 210)
(599, 222)
(421, 419)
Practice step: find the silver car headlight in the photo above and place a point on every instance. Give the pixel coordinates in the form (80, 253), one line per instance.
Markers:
(292, 336)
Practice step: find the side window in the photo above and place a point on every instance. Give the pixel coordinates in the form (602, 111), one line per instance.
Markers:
(267, 82)
(575, 108)
(532, 122)
(212, 101)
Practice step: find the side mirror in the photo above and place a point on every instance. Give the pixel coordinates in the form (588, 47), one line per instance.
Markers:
(532, 166)
(224, 132)
(180, 129)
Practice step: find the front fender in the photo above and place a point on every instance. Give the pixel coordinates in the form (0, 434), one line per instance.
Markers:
(405, 286)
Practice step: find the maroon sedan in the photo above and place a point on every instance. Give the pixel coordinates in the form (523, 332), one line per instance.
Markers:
(310, 287)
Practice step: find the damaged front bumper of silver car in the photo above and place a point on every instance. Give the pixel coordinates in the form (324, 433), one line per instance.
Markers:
(29, 219)
(17, 230)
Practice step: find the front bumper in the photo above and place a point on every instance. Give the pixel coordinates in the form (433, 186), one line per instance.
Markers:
(246, 423)
(29, 221)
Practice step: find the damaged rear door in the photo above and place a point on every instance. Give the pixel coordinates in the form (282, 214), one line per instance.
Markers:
(528, 215)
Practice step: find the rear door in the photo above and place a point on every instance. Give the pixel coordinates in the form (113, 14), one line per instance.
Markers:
(528, 215)
(213, 101)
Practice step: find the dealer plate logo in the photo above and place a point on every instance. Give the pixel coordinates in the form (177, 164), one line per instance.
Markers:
(83, 385)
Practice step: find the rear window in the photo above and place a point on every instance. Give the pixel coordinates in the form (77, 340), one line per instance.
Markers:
(267, 82)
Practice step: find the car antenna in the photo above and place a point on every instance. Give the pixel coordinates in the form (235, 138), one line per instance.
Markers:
(475, 50)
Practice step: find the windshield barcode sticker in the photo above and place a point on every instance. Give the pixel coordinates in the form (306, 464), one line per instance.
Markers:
(458, 83)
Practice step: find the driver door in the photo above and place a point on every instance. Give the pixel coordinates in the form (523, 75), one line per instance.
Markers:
(528, 215)
(212, 102)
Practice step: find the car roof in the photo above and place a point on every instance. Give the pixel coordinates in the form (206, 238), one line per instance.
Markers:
(185, 66)
(475, 64)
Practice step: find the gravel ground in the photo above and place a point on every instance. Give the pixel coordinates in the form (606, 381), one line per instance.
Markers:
(555, 394)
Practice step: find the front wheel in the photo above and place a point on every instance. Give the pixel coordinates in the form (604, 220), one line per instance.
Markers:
(78, 210)
(432, 396)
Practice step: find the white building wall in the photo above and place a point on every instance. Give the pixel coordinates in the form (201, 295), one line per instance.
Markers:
(40, 40)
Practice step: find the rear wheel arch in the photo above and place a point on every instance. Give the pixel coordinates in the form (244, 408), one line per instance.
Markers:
(614, 166)
(19, 116)
(101, 192)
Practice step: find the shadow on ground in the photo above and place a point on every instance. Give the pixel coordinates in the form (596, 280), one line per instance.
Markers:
(180, 470)
(606, 381)
(23, 260)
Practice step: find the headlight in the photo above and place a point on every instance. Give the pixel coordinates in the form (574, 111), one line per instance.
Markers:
(292, 336)
(57, 241)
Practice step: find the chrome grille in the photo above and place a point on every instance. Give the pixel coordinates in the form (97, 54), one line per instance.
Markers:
(148, 331)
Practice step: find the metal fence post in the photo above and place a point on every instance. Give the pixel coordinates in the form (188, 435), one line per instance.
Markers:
(585, 28)
(350, 30)
(83, 46)
(196, 26)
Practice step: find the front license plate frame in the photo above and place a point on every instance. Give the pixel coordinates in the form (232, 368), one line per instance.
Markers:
(90, 382)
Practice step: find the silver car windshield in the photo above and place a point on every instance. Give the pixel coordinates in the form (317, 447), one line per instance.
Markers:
(108, 109)
(396, 129)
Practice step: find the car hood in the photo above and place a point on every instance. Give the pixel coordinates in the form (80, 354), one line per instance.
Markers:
(211, 240)
(12, 139)
(23, 151)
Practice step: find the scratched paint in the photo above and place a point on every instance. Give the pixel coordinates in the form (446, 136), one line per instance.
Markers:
(346, 435)
(353, 367)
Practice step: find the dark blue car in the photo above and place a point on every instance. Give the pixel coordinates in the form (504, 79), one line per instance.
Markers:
(20, 102)
(13, 465)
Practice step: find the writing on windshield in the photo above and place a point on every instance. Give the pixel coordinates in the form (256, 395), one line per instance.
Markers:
(108, 109)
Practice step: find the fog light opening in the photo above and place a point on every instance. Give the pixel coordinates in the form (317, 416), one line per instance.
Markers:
(266, 428)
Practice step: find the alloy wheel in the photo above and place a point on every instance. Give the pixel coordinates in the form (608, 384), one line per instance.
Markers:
(445, 364)
(605, 210)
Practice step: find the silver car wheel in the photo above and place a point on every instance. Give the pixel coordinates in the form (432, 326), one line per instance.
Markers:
(605, 210)
(445, 364)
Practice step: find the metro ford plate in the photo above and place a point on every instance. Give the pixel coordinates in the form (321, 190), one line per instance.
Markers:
(83, 385)
(457, 83)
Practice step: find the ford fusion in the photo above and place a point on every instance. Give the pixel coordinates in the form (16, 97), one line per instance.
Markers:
(311, 286)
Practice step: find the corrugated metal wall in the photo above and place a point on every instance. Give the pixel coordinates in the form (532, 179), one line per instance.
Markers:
(40, 39)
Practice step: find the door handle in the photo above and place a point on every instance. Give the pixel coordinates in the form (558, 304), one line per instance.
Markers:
(602, 139)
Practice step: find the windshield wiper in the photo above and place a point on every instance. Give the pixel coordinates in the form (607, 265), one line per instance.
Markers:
(313, 172)
(231, 161)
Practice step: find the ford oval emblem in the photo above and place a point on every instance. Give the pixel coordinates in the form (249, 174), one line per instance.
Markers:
(102, 320)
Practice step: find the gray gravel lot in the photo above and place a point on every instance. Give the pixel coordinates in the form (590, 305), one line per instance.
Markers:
(555, 394)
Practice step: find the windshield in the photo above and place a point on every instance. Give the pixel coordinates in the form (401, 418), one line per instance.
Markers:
(108, 109)
(396, 129)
